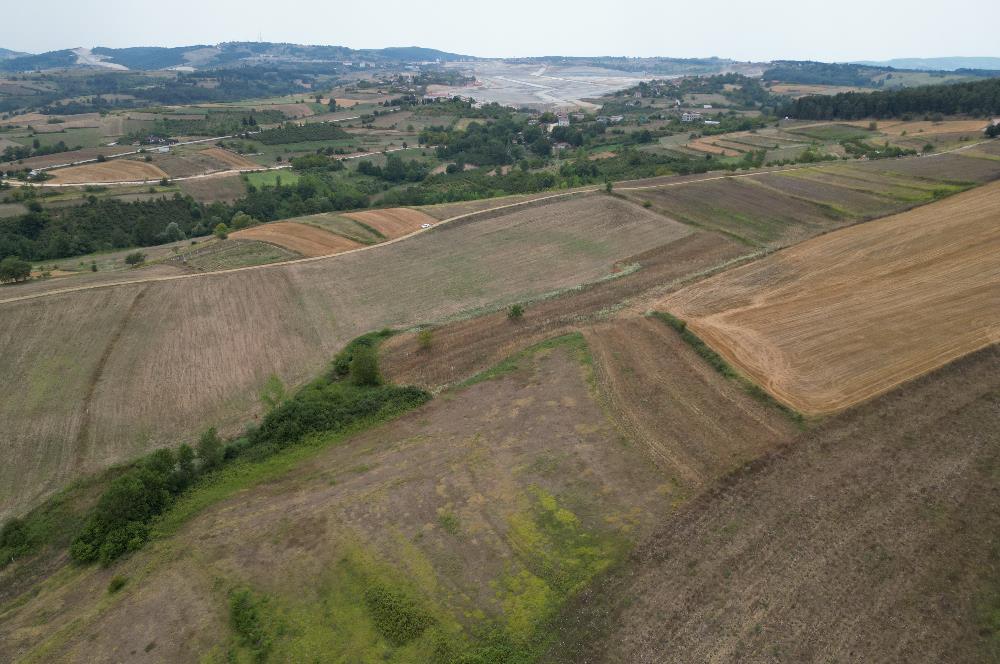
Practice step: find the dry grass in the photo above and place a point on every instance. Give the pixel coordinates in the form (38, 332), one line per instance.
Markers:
(841, 318)
(195, 350)
(116, 170)
(300, 238)
(392, 222)
(208, 190)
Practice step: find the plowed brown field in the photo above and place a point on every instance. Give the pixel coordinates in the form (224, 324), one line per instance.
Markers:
(393, 222)
(846, 316)
(118, 170)
(301, 238)
(870, 539)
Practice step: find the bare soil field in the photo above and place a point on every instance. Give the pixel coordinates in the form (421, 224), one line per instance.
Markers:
(301, 238)
(185, 340)
(392, 222)
(116, 170)
(870, 539)
(841, 318)
(695, 425)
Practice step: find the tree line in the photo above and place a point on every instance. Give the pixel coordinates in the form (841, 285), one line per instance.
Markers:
(976, 98)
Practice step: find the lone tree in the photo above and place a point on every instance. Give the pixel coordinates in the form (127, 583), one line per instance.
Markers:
(515, 312)
(13, 269)
(210, 450)
(135, 258)
(221, 231)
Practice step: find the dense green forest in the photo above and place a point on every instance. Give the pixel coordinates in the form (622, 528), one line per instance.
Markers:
(824, 73)
(976, 98)
(217, 85)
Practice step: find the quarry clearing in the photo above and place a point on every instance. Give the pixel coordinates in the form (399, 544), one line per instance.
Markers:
(846, 316)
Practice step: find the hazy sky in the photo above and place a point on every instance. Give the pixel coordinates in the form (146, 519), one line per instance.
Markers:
(834, 30)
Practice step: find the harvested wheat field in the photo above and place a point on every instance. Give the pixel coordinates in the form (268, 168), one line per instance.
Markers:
(846, 316)
(225, 188)
(926, 127)
(101, 363)
(871, 539)
(118, 170)
(229, 158)
(392, 222)
(300, 238)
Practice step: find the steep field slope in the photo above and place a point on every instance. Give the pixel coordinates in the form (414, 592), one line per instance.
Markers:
(840, 318)
(872, 539)
(490, 505)
(111, 372)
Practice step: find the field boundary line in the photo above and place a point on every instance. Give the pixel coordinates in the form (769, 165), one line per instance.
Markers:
(574, 192)
(309, 259)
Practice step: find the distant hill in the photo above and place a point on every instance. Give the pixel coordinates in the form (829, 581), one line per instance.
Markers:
(937, 64)
(49, 60)
(7, 54)
(229, 54)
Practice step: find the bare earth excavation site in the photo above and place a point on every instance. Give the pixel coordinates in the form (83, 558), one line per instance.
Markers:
(321, 354)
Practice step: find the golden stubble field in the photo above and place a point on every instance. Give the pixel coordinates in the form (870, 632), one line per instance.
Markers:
(843, 317)
(108, 373)
(118, 170)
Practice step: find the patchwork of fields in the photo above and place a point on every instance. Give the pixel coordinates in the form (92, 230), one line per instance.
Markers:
(774, 209)
(838, 319)
(100, 364)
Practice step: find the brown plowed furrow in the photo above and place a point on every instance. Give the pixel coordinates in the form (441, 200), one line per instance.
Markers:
(694, 423)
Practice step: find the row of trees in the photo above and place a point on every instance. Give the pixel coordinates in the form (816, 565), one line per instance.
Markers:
(978, 98)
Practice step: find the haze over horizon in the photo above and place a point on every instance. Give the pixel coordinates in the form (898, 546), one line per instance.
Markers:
(520, 28)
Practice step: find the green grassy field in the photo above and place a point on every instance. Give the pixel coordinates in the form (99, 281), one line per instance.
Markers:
(271, 178)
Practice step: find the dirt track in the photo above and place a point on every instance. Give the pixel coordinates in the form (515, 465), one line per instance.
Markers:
(843, 317)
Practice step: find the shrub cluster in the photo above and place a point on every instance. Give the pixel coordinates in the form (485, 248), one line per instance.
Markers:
(121, 520)
(396, 616)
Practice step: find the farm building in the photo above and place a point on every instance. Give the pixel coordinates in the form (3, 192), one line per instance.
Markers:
(690, 117)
